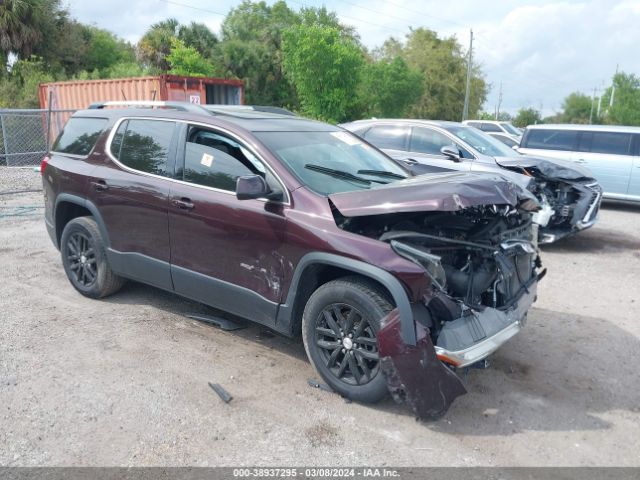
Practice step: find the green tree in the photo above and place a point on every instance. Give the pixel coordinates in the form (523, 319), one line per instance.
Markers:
(155, 44)
(19, 89)
(389, 88)
(325, 68)
(527, 116)
(626, 100)
(251, 49)
(20, 25)
(198, 36)
(187, 61)
(576, 108)
(443, 65)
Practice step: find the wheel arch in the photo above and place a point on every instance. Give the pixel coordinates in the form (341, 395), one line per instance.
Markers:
(318, 268)
(69, 207)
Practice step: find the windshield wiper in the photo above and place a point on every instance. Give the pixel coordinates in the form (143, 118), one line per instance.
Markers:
(339, 174)
(382, 173)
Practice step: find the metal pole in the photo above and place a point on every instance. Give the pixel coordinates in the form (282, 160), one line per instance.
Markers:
(465, 110)
(49, 121)
(593, 99)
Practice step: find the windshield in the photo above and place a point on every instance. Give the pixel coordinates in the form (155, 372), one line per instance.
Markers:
(510, 128)
(482, 142)
(332, 162)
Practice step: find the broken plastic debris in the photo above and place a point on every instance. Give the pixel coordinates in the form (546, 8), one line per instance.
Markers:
(222, 393)
(322, 386)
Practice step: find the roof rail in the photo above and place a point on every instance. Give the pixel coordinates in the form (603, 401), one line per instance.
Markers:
(181, 106)
(219, 108)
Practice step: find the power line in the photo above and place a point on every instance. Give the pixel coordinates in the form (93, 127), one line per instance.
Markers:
(171, 2)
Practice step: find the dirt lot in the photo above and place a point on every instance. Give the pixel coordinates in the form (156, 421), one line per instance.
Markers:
(123, 381)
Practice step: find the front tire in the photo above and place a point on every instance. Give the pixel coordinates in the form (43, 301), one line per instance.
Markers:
(85, 260)
(339, 328)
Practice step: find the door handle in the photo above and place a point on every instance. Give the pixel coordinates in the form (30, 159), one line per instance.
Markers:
(581, 160)
(100, 185)
(183, 203)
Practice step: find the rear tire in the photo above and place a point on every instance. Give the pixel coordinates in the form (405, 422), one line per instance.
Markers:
(339, 328)
(84, 259)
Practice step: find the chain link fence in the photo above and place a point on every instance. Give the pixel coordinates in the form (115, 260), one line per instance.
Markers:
(25, 135)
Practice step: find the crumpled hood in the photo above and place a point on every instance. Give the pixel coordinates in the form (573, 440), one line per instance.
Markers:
(556, 168)
(435, 192)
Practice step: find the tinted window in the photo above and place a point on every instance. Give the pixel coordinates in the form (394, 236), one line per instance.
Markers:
(551, 139)
(217, 161)
(609, 142)
(79, 135)
(474, 124)
(426, 140)
(490, 127)
(143, 145)
(394, 138)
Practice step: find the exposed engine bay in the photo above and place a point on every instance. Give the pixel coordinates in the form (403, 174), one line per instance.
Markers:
(477, 258)
(568, 205)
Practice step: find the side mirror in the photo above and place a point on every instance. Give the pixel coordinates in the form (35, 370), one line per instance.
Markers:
(516, 147)
(251, 186)
(451, 152)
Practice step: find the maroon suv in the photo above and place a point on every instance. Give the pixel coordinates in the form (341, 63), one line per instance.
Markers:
(393, 281)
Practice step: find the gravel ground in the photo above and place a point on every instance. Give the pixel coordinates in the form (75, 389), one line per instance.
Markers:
(123, 381)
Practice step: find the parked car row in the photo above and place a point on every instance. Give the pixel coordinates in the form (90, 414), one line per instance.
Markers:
(396, 270)
(568, 194)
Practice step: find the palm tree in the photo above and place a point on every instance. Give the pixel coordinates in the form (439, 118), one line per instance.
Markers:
(19, 25)
(155, 44)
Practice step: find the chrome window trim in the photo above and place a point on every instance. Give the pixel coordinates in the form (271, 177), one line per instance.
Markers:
(117, 124)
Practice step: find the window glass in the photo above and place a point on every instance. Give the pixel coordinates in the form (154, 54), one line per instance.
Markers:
(509, 142)
(79, 135)
(491, 127)
(511, 129)
(427, 140)
(332, 162)
(474, 124)
(548, 139)
(143, 145)
(217, 161)
(611, 142)
(393, 138)
(481, 142)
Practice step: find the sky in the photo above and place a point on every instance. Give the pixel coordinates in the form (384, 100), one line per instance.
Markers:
(540, 51)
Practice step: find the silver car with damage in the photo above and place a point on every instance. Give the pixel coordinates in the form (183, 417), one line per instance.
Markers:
(569, 195)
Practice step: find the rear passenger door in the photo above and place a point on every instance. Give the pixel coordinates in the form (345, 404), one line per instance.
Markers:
(131, 192)
(609, 157)
(225, 252)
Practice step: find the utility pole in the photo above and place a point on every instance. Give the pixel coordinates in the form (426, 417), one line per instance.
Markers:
(593, 99)
(613, 87)
(465, 110)
(499, 103)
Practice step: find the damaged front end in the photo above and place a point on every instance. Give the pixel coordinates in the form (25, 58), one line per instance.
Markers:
(569, 196)
(482, 264)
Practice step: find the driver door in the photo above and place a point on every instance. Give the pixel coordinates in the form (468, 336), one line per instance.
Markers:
(225, 252)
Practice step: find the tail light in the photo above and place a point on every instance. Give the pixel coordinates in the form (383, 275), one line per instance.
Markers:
(43, 164)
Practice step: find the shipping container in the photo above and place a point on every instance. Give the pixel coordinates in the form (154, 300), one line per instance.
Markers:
(78, 94)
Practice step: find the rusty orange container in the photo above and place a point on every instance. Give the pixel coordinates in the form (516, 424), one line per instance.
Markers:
(78, 94)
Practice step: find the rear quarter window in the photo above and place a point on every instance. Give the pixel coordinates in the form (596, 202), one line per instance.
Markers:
(613, 143)
(547, 139)
(79, 135)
